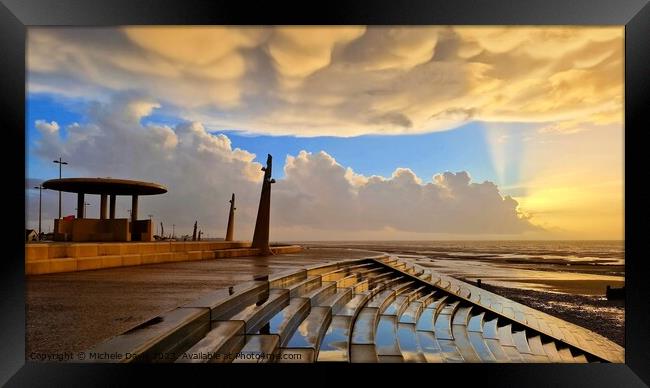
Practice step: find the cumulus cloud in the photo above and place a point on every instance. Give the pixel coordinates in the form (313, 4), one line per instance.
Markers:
(201, 169)
(49, 128)
(317, 192)
(343, 81)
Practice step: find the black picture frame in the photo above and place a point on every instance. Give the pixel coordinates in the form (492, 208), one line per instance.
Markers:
(17, 15)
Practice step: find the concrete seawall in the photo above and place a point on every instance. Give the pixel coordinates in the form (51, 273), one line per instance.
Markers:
(43, 258)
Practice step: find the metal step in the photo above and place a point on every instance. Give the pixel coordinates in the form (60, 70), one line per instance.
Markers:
(337, 300)
(286, 321)
(468, 347)
(335, 344)
(220, 345)
(259, 349)
(258, 314)
(307, 338)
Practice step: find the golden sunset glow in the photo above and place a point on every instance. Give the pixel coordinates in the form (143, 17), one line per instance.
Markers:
(534, 112)
(313, 194)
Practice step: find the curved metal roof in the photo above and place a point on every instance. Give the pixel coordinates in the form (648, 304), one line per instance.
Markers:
(104, 186)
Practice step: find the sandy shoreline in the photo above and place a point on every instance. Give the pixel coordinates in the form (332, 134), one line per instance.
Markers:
(597, 314)
(576, 294)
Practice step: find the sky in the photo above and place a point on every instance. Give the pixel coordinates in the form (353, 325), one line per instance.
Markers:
(377, 133)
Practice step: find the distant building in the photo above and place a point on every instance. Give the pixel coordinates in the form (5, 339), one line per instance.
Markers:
(31, 235)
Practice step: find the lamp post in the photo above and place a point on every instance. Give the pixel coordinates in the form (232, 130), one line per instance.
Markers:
(40, 201)
(60, 162)
(173, 230)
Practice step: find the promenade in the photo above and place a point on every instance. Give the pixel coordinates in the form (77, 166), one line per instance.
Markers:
(70, 312)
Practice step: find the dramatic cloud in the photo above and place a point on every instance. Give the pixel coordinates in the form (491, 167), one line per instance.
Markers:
(318, 192)
(201, 169)
(301, 51)
(547, 102)
(344, 81)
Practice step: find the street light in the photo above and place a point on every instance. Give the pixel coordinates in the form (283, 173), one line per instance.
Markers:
(60, 162)
(40, 198)
(173, 231)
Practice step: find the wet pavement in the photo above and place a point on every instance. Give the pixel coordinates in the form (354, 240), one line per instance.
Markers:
(71, 312)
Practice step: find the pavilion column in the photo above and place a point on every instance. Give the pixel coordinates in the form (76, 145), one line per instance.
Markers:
(80, 205)
(102, 207)
(134, 208)
(112, 211)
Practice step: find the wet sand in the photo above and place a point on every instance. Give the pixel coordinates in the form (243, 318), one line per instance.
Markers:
(597, 314)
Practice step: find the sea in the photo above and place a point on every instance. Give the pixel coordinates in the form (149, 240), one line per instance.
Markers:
(571, 267)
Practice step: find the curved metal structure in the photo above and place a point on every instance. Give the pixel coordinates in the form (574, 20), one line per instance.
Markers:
(108, 186)
(381, 309)
(104, 229)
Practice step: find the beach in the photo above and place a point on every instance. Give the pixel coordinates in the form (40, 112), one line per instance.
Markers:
(597, 314)
(564, 279)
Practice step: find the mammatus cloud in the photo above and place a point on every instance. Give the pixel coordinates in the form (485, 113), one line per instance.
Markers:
(202, 169)
(298, 52)
(344, 81)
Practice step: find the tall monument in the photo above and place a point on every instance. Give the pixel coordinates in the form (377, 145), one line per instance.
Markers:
(230, 231)
(261, 235)
(194, 232)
